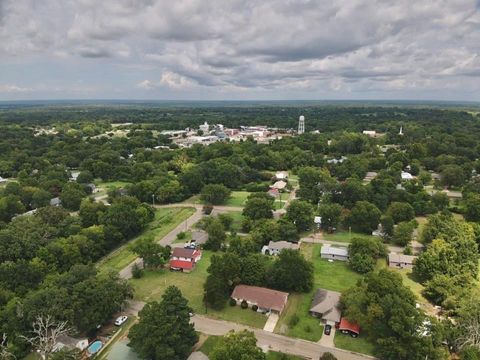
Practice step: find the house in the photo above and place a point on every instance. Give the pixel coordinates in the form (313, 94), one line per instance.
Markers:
(183, 259)
(370, 176)
(281, 175)
(400, 261)
(326, 306)
(275, 247)
(55, 202)
(406, 176)
(279, 185)
(371, 133)
(347, 327)
(199, 237)
(334, 253)
(266, 300)
(2, 180)
(68, 342)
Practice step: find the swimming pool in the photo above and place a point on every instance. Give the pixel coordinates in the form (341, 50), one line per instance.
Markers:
(94, 347)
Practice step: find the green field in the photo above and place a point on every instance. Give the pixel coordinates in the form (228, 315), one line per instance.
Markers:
(237, 220)
(153, 284)
(107, 185)
(166, 219)
(344, 236)
(359, 344)
(237, 198)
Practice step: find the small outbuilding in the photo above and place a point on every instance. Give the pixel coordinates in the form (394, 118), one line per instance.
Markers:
(334, 253)
(400, 261)
(347, 327)
(279, 185)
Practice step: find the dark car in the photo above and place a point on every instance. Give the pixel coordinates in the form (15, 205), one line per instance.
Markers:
(328, 329)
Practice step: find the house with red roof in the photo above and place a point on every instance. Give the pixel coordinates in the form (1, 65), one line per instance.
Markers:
(347, 327)
(184, 259)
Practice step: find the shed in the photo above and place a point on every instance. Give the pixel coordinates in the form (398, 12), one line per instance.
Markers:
(334, 253)
(400, 261)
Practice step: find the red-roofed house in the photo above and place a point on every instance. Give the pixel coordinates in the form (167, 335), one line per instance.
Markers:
(184, 259)
(266, 300)
(347, 327)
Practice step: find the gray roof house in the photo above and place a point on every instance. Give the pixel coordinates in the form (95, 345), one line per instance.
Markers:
(400, 261)
(326, 305)
(334, 253)
(55, 202)
(275, 247)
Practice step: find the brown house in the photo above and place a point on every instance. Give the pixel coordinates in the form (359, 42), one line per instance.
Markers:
(267, 300)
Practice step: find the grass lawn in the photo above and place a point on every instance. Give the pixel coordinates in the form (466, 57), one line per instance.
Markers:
(237, 198)
(274, 355)
(121, 332)
(107, 185)
(344, 236)
(359, 344)
(166, 219)
(153, 284)
(279, 204)
(307, 327)
(237, 220)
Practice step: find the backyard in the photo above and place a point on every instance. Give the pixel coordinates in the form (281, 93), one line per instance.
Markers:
(153, 284)
(344, 236)
(166, 219)
(359, 344)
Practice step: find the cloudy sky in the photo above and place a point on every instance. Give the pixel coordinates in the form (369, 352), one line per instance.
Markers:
(240, 49)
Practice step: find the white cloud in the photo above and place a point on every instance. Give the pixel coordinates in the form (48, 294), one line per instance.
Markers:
(11, 88)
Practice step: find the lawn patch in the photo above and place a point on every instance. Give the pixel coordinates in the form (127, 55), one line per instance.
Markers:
(359, 344)
(237, 198)
(274, 355)
(345, 236)
(166, 219)
(209, 344)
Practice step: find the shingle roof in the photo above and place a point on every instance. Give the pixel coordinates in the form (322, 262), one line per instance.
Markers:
(332, 250)
(182, 252)
(326, 302)
(262, 297)
(400, 258)
(280, 245)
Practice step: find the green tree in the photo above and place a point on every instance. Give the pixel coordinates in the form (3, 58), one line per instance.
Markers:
(364, 217)
(364, 253)
(452, 175)
(440, 200)
(301, 214)
(237, 346)
(215, 194)
(280, 275)
(40, 198)
(216, 235)
(259, 206)
(328, 356)
(91, 212)
(153, 254)
(331, 214)
(400, 211)
(164, 331)
(472, 208)
(402, 234)
(72, 195)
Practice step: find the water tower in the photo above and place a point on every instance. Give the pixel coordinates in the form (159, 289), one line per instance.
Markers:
(301, 124)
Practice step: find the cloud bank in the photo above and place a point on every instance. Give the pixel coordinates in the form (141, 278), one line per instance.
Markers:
(217, 49)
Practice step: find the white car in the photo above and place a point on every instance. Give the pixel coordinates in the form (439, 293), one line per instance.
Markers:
(120, 320)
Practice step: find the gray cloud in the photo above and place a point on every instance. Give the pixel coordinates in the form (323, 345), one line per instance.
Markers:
(329, 48)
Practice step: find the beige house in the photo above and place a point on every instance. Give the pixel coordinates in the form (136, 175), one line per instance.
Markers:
(400, 261)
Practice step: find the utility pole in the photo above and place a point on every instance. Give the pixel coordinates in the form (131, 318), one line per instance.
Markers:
(153, 199)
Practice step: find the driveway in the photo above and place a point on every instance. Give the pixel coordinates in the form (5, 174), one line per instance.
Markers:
(271, 322)
(327, 340)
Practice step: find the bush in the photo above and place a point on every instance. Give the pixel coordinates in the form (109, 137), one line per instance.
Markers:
(181, 235)
(293, 320)
(137, 272)
(254, 307)
(232, 302)
(207, 209)
(328, 356)
(244, 304)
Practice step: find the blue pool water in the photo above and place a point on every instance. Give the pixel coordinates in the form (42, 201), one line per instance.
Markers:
(94, 347)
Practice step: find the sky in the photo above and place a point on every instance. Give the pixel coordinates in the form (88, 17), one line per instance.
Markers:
(240, 49)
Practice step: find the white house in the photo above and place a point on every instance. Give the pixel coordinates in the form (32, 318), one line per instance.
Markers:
(334, 253)
(281, 175)
(275, 247)
(406, 176)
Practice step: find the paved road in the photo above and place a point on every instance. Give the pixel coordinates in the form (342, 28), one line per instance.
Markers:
(275, 342)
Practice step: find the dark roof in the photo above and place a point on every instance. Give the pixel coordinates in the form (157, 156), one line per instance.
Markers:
(350, 326)
(182, 252)
(262, 297)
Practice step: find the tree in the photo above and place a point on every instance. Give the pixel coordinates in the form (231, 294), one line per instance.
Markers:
(301, 214)
(402, 234)
(85, 177)
(364, 253)
(280, 275)
(400, 211)
(215, 194)
(328, 356)
(237, 346)
(314, 183)
(440, 200)
(91, 212)
(164, 331)
(10, 206)
(153, 254)
(259, 206)
(364, 217)
(122, 215)
(216, 235)
(72, 195)
(330, 214)
(472, 208)
(40, 198)
(5, 353)
(452, 175)
(45, 334)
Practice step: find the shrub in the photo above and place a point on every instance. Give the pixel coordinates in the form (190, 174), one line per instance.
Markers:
(207, 209)
(293, 320)
(254, 307)
(244, 304)
(181, 235)
(137, 272)
(232, 302)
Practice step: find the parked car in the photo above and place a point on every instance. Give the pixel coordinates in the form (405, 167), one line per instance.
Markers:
(327, 330)
(120, 320)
